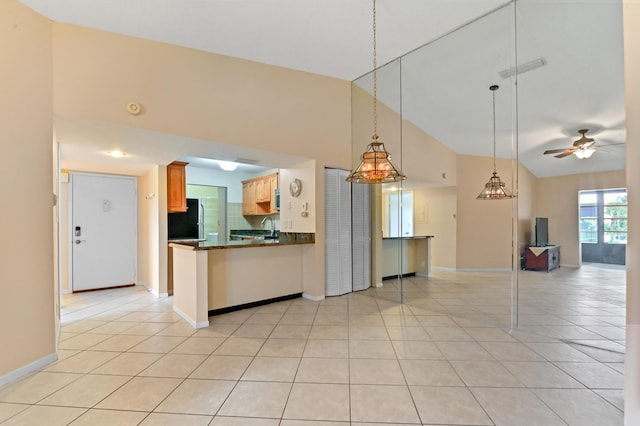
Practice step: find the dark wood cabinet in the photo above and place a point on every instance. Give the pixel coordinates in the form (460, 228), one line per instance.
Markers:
(542, 258)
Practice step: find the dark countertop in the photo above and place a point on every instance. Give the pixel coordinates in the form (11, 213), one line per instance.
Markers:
(286, 239)
(413, 237)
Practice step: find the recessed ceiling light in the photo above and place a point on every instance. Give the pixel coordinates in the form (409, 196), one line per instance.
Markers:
(228, 166)
(117, 154)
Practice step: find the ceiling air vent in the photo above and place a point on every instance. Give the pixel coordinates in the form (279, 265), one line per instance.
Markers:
(522, 68)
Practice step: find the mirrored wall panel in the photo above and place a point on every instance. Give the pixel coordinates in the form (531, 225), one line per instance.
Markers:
(526, 100)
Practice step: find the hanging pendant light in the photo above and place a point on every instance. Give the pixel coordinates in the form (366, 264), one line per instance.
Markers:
(495, 188)
(375, 165)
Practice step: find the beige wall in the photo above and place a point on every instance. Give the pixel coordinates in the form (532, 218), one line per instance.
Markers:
(632, 101)
(632, 98)
(202, 95)
(291, 219)
(26, 268)
(527, 189)
(212, 97)
(435, 214)
(484, 232)
(152, 230)
(557, 199)
(424, 160)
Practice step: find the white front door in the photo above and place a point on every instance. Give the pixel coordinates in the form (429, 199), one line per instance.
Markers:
(103, 231)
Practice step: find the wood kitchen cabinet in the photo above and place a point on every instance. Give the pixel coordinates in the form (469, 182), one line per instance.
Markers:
(258, 195)
(274, 185)
(263, 190)
(176, 187)
(248, 197)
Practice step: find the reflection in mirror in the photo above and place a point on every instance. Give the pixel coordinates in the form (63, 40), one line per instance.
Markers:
(397, 213)
(435, 121)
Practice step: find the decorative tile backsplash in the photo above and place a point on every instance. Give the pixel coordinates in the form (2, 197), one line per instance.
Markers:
(235, 220)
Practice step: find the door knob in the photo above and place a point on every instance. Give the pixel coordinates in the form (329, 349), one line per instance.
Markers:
(80, 241)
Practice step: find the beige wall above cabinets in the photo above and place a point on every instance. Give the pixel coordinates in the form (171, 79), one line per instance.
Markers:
(200, 95)
(258, 195)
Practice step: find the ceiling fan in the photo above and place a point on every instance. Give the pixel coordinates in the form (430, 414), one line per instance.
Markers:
(582, 148)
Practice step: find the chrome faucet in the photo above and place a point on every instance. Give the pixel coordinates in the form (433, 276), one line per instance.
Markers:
(273, 225)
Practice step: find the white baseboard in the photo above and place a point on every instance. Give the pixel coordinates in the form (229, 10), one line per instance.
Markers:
(29, 368)
(186, 317)
(448, 269)
(312, 298)
(143, 284)
(483, 270)
(423, 275)
(377, 285)
(443, 268)
(151, 290)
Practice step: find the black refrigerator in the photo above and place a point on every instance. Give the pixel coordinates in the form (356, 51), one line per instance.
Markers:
(187, 225)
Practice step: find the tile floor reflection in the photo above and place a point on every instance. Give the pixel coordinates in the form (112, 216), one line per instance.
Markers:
(445, 356)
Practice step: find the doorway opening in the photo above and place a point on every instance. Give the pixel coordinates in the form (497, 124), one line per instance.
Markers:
(213, 200)
(603, 225)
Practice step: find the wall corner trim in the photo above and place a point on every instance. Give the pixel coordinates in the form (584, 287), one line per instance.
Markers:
(313, 298)
(193, 324)
(29, 368)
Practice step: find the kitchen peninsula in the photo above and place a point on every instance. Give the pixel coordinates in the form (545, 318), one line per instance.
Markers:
(214, 277)
(404, 256)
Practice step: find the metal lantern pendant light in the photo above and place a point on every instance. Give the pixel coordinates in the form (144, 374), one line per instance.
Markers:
(495, 188)
(375, 165)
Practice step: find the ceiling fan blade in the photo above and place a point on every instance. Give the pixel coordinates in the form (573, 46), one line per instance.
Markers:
(564, 154)
(608, 144)
(555, 151)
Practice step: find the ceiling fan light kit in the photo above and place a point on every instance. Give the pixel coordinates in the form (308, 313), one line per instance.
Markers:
(583, 153)
(582, 148)
(495, 189)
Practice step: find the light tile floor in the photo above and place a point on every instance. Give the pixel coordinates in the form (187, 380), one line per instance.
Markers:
(446, 356)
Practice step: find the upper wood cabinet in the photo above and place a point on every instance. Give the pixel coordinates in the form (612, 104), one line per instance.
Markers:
(248, 197)
(176, 187)
(263, 190)
(274, 184)
(258, 195)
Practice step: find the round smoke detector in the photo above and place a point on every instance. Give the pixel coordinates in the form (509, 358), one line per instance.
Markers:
(134, 108)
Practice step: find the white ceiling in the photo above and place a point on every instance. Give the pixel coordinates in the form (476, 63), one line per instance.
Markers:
(445, 86)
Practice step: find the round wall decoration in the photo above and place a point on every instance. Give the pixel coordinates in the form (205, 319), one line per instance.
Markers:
(295, 187)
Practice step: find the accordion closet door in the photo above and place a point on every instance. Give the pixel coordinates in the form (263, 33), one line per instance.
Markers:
(347, 234)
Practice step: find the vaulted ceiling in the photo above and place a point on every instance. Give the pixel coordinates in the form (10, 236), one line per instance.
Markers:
(445, 83)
